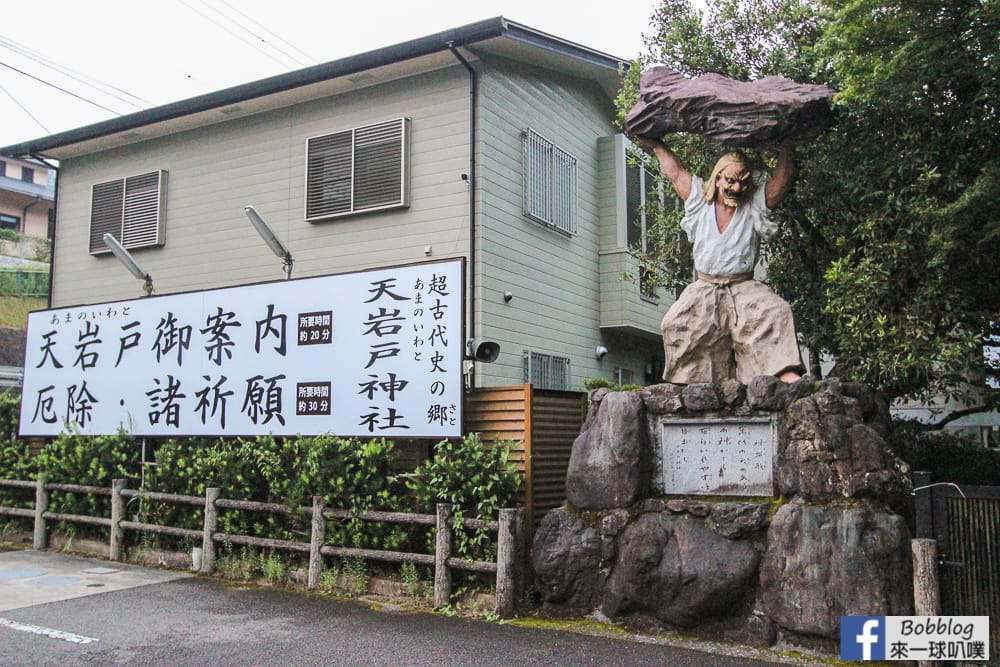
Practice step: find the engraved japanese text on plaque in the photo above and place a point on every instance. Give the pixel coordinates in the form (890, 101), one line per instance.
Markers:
(733, 458)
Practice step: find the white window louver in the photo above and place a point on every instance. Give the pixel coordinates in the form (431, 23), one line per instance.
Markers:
(131, 209)
(549, 183)
(362, 169)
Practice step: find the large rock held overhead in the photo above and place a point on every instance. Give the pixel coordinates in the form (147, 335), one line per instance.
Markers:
(759, 113)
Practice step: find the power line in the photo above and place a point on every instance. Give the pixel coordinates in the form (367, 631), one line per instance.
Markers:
(251, 43)
(85, 79)
(25, 109)
(278, 37)
(60, 89)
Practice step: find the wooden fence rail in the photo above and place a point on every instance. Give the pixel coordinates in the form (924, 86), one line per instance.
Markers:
(509, 529)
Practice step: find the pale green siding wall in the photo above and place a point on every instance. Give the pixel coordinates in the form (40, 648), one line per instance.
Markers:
(554, 278)
(217, 170)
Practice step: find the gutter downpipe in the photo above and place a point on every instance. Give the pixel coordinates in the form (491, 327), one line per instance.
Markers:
(55, 217)
(473, 100)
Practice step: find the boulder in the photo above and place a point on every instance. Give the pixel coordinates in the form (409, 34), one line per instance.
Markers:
(828, 452)
(738, 520)
(566, 558)
(733, 393)
(662, 398)
(676, 569)
(609, 466)
(824, 562)
(766, 392)
(756, 113)
(701, 397)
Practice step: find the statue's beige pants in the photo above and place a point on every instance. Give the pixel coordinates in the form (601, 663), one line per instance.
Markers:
(728, 326)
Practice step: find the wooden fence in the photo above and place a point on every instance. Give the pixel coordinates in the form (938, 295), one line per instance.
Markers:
(546, 421)
(508, 567)
(964, 521)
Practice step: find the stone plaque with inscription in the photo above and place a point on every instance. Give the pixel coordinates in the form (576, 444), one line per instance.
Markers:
(718, 457)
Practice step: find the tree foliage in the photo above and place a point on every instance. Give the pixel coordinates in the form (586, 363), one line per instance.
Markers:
(888, 249)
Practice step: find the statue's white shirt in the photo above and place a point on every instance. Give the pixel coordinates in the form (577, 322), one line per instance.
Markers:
(735, 250)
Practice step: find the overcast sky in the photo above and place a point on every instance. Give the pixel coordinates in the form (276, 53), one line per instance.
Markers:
(112, 57)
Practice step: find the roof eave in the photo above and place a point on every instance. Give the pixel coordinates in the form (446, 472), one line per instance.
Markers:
(431, 44)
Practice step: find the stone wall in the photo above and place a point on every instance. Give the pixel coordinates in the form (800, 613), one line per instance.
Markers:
(830, 542)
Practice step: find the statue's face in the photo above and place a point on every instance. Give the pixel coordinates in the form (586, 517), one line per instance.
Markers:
(732, 185)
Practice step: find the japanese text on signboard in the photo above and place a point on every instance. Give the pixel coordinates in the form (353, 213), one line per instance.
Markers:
(375, 353)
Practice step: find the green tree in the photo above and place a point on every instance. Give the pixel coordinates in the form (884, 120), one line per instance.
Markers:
(887, 250)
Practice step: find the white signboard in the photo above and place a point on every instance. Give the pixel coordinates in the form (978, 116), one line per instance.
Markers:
(376, 353)
(718, 457)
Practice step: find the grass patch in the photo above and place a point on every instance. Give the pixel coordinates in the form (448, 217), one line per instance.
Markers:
(14, 310)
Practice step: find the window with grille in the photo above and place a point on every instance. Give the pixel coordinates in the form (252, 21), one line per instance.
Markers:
(357, 170)
(546, 371)
(132, 209)
(549, 183)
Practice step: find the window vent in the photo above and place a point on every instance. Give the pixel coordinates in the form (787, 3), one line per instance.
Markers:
(549, 183)
(546, 371)
(131, 209)
(363, 169)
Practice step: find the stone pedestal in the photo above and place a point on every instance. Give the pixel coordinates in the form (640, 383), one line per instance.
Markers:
(824, 542)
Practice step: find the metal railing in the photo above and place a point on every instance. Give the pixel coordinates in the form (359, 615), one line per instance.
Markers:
(20, 282)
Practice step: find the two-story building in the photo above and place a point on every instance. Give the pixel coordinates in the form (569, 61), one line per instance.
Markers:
(493, 142)
(27, 193)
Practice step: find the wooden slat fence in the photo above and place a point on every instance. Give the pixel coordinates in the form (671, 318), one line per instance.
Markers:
(546, 421)
(964, 520)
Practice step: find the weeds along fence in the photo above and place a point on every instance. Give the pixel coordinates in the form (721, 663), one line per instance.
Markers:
(509, 529)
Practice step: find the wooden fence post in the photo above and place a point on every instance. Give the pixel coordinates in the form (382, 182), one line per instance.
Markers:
(210, 526)
(926, 591)
(316, 539)
(926, 588)
(508, 560)
(442, 552)
(40, 540)
(117, 510)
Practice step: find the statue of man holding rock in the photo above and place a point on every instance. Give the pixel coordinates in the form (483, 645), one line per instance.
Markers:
(726, 324)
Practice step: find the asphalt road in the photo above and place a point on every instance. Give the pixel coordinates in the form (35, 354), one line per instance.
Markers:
(60, 610)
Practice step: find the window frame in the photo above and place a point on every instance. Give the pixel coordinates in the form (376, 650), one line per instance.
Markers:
(636, 159)
(318, 206)
(141, 216)
(549, 183)
(6, 220)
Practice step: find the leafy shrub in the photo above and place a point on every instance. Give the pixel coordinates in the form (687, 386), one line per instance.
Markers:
(348, 473)
(16, 461)
(90, 460)
(591, 384)
(477, 480)
(10, 416)
(949, 457)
